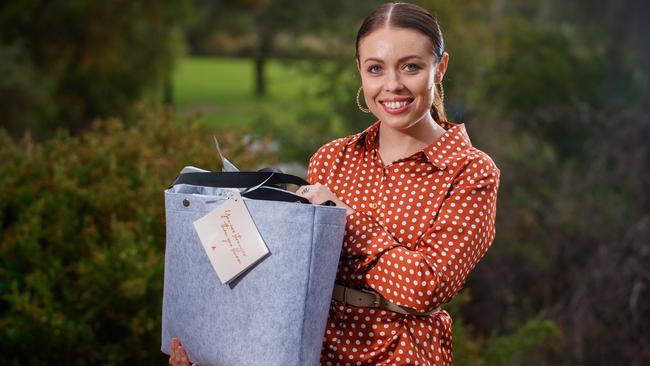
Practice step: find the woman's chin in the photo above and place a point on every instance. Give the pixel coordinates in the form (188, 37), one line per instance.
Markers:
(401, 122)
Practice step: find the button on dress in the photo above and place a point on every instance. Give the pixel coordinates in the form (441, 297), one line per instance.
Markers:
(420, 225)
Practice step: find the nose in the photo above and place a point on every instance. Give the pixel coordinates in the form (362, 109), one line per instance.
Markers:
(393, 82)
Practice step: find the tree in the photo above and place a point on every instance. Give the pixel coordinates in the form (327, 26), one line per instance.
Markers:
(265, 20)
(73, 61)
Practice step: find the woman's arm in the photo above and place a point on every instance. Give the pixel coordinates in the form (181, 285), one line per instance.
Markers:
(433, 272)
(430, 270)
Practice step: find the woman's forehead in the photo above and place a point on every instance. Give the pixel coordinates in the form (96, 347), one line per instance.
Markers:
(389, 43)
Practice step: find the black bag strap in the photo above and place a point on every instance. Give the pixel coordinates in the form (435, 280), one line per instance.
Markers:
(270, 194)
(238, 179)
(263, 179)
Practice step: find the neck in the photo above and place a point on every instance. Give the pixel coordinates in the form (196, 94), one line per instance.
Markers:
(407, 141)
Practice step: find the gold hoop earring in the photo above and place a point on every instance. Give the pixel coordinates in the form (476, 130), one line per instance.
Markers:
(361, 108)
(442, 92)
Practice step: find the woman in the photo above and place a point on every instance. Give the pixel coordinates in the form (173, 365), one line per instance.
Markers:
(420, 201)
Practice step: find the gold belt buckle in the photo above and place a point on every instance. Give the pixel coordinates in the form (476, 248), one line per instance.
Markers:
(377, 301)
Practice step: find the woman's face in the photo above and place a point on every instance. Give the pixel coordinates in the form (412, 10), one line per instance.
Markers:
(398, 75)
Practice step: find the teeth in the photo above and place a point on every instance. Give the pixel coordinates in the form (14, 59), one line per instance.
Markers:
(396, 105)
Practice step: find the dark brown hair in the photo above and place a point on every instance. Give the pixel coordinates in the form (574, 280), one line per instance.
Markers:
(409, 16)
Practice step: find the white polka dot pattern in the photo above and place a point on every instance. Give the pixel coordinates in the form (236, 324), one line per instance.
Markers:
(421, 224)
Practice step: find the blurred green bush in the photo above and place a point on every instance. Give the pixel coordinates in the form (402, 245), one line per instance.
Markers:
(82, 233)
(520, 343)
(65, 63)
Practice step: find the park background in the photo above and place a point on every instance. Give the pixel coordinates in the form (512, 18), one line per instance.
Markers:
(101, 104)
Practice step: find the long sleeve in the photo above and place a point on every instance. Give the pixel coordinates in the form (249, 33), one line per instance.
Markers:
(436, 267)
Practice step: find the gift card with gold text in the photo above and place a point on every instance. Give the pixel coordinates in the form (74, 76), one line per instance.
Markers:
(230, 238)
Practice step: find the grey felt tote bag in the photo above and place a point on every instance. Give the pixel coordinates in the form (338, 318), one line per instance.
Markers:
(273, 314)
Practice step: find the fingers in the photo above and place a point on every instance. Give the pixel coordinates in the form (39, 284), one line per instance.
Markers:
(303, 190)
(315, 193)
(184, 360)
(178, 356)
(172, 355)
(318, 193)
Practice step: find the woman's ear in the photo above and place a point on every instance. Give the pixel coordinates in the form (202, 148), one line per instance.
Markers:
(358, 65)
(441, 68)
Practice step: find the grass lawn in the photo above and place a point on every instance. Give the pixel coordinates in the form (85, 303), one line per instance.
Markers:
(221, 90)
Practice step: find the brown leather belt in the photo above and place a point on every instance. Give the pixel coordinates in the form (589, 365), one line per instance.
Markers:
(371, 299)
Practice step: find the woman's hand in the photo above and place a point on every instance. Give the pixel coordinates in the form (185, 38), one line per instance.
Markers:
(178, 355)
(318, 193)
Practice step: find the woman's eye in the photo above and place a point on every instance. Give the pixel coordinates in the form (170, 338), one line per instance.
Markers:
(411, 67)
(374, 69)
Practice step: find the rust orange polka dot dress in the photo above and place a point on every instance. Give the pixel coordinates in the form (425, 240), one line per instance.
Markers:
(421, 224)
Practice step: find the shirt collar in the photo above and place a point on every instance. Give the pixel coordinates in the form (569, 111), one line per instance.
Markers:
(367, 136)
(453, 145)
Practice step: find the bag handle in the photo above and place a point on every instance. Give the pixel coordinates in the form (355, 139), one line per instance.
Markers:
(268, 183)
(237, 179)
(272, 194)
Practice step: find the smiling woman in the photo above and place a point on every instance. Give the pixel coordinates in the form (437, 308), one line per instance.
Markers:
(421, 201)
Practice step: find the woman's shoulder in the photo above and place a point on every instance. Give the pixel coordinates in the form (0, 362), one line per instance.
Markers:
(332, 148)
(340, 143)
(479, 159)
(324, 159)
(478, 168)
(458, 148)
(325, 154)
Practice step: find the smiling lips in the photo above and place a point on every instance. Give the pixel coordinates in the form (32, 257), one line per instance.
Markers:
(396, 105)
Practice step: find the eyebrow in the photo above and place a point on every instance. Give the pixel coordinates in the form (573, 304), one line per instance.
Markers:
(400, 60)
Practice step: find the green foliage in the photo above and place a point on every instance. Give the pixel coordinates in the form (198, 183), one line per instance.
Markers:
(222, 91)
(522, 344)
(542, 78)
(297, 111)
(82, 238)
(253, 27)
(539, 67)
(72, 61)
